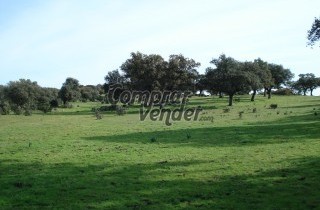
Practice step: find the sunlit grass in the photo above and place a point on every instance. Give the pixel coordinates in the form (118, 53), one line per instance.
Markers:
(67, 159)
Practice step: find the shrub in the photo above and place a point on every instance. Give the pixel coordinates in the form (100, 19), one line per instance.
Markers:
(100, 98)
(240, 114)
(44, 104)
(226, 110)
(112, 107)
(4, 108)
(120, 110)
(54, 103)
(274, 106)
(284, 92)
(27, 112)
(98, 115)
(17, 109)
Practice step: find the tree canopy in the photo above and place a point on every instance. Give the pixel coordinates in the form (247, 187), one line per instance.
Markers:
(152, 72)
(306, 82)
(70, 90)
(228, 76)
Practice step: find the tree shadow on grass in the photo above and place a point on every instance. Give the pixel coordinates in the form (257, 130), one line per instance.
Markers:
(72, 112)
(317, 106)
(156, 186)
(269, 133)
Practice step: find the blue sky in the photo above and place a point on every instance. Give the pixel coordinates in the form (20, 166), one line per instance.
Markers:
(47, 41)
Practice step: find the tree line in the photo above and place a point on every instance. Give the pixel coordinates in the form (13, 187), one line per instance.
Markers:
(25, 96)
(227, 76)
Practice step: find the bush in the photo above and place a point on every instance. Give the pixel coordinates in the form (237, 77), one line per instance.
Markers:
(283, 92)
(120, 110)
(44, 104)
(226, 110)
(98, 115)
(54, 103)
(153, 139)
(17, 109)
(112, 107)
(4, 108)
(27, 112)
(274, 106)
(240, 114)
(100, 98)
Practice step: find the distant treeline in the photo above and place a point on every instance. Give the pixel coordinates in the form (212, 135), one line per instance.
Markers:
(153, 72)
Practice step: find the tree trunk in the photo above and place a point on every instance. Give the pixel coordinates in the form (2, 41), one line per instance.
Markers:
(265, 92)
(220, 94)
(253, 95)
(230, 100)
(311, 90)
(269, 93)
(304, 92)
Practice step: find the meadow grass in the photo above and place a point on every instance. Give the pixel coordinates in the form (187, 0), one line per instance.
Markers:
(67, 159)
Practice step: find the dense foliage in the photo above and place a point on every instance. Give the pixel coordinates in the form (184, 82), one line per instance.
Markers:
(152, 72)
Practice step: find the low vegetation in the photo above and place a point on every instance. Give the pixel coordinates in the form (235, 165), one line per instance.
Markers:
(68, 159)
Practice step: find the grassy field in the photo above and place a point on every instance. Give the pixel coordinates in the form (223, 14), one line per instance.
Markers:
(69, 160)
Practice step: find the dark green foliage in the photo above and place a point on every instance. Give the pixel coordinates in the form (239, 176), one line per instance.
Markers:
(54, 103)
(70, 90)
(25, 96)
(112, 107)
(153, 139)
(274, 106)
(306, 82)
(314, 32)
(120, 110)
(17, 110)
(226, 110)
(201, 84)
(280, 76)
(98, 114)
(180, 74)
(283, 92)
(144, 71)
(27, 112)
(152, 72)
(229, 77)
(89, 93)
(240, 114)
(2, 94)
(5, 108)
(44, 104)
(23, 93)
